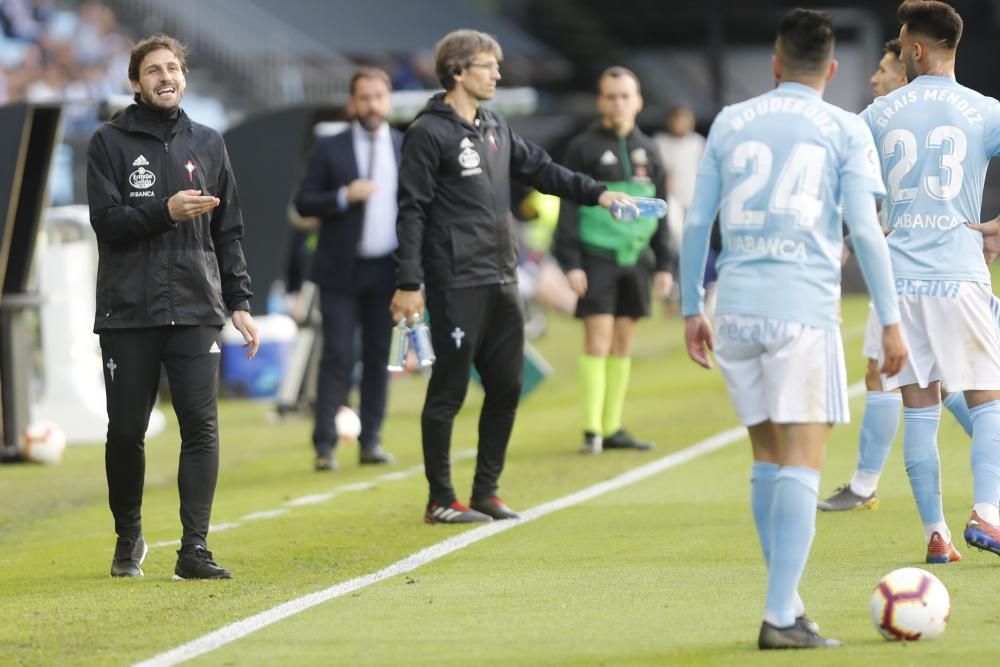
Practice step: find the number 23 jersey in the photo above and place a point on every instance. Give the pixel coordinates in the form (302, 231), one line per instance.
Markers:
(935, 139)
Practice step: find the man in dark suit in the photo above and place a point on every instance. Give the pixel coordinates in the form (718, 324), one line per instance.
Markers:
(350, 184)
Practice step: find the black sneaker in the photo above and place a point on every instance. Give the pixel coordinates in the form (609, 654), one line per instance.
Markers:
(622, 439)
(129, 554)
(375, 455)
(196, 563)
(325, 463)
(797, 635)
(455, 512)
(495, 508)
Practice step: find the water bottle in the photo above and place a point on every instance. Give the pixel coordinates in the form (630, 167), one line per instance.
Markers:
(420, 335)
(639, 207)
(399, 346)
(276, 298)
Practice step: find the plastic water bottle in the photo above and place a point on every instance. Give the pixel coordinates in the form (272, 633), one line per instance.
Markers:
(399, 346)
(420, 335)
(639, 207)
(276, 298)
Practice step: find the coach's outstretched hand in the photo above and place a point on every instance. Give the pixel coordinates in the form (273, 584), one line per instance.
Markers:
(698, 338)
(991, 238)
(609, 197)
(894, 349)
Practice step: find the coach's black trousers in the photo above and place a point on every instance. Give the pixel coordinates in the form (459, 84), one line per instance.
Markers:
(132, 359)
(482, 326)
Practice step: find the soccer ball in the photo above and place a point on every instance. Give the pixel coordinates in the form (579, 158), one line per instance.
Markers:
(43, 442)
(910, 604)
(348, 425)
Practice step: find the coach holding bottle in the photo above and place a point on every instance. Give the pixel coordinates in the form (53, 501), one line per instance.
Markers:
(457, 239)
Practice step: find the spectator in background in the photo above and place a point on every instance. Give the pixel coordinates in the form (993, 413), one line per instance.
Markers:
(680, 149)
(350, 184)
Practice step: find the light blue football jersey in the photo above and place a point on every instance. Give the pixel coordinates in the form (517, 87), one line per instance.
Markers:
(775, 167)
(935, 139)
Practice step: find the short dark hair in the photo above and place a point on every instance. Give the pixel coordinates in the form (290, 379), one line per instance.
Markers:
(894, 47)
(455, 52)
(805, 40)
(155, 43)
(615, 72)
(366, 72)
(937, 20)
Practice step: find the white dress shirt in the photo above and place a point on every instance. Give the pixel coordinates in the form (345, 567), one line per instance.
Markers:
(378, 233)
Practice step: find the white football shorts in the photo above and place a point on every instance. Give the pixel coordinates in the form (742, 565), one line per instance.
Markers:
(787, 372)
(952, 333)
(872, 346)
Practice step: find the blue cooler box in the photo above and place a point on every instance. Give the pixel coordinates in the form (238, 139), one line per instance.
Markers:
(258, 377)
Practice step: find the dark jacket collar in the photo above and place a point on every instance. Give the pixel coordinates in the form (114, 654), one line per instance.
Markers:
(138, 117)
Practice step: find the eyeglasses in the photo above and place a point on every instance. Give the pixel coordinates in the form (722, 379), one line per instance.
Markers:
(490, 66)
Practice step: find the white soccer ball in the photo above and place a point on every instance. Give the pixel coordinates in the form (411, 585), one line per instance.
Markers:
(43, 442)
(910, 604)
(348, 425)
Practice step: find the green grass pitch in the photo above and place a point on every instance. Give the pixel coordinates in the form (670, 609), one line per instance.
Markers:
(663, 572)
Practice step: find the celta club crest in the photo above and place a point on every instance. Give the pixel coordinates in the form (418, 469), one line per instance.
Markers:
(190, 166)
(111, 368)
(457, 335)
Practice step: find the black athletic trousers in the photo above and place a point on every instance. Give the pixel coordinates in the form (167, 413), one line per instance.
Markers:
(482, 326)
(132, 359)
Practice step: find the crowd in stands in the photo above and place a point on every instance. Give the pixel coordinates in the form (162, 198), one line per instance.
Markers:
(49, 53)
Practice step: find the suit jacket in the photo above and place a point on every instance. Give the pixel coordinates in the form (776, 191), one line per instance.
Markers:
(331, 166)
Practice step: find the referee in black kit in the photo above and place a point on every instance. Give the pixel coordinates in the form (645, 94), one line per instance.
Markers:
(456, 237)
(163, 204)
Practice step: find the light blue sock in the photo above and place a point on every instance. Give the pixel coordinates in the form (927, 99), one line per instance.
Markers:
(793, 521)
(955, 402)
(763, 475)
(923, 466)
(986, 452)
(878, 429)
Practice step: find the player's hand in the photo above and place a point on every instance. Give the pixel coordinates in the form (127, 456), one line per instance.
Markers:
(189, 204)
(608, 198)
(663, 282)
(577, 281)
(699, 339)
(845, 255)
(407, 304)
(244, 323)
(359, 190)
(893, 350)
(991, 238)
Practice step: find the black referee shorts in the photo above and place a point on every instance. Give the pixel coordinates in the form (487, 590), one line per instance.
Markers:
(622, 291)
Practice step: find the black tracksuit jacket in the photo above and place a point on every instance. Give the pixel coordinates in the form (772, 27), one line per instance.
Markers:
(153, 271)
(455, 227)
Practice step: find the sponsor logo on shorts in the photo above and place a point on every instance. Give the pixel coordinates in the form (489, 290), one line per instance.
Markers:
(752, 331)
(945, 289)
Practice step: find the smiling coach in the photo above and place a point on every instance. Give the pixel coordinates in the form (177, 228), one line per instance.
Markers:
(164, 206)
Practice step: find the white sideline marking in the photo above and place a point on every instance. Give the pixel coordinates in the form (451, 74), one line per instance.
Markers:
(230, 633)
(317, 498)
